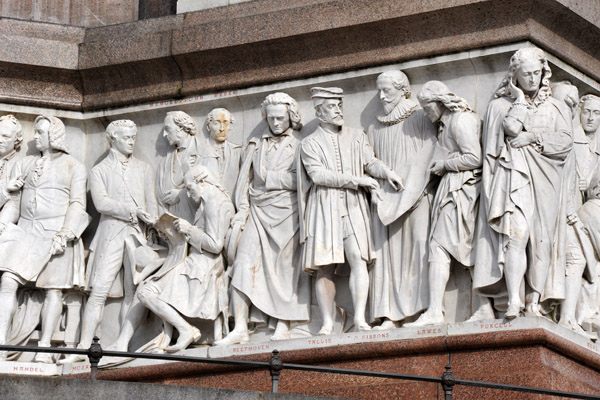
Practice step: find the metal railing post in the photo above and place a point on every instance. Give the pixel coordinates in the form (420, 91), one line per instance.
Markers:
(94, 355)
(275, 367)
(448, 382)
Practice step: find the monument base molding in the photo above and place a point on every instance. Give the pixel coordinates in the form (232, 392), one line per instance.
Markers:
(528, 357)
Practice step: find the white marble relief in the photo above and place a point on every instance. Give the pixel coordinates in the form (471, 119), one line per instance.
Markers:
(267, 271)
(41, 229)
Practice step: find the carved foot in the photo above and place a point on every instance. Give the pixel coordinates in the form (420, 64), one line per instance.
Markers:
(513, 311)
(591, 324)
(116, 346)
(481, 314)
(533, 310)
(387, 324)
(234, 337)
(427, 318)
(72, 359)
(578, 329)
(282, 332)
(361, 326)
(326, 330)
(185, 339)
(45, 358)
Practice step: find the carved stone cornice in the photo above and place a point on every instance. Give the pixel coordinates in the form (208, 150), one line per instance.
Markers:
(266, 41)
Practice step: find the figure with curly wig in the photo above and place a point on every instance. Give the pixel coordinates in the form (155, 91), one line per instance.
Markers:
(267, 272)
(181, 132)
(454, 208)
(50, 212)
(522, 220)
(11, 137)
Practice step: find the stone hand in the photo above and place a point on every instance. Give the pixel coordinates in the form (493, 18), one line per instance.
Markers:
(15, 184)
(523, 139)
(172, 196)
(368, 182)
(144, 216)
(183, 226)
(583, 184)
(239, 218)
(396, 181)
(438, 168)
(59, 244)
(517, 92)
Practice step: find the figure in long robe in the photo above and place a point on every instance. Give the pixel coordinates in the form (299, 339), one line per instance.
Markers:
(405, 140)
(527, 144)
(267, 272)
(338, 166)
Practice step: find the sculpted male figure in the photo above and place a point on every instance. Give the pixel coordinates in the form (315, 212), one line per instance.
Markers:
(195, 288)
(267, 272)
(404, 139)
(122, 189)
(11, 137)
(221, 156)
(587, 168)
(51, 207)
(180, 130)
(454, 209)
(527, 141)
(335, 224)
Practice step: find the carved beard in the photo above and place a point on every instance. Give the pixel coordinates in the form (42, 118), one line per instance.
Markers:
(389, 106)
(338, 121)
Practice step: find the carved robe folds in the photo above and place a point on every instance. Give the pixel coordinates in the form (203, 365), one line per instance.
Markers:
(53, 197)
(399, 277)
(534, 180)
(267, 268)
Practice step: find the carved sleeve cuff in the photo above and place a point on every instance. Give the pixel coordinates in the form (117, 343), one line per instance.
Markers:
(451, 164)
(518, 111)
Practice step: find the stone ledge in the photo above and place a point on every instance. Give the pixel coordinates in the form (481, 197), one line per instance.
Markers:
(267, 41)
(528, 351)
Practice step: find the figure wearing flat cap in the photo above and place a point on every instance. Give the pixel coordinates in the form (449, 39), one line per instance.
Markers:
(337, 169)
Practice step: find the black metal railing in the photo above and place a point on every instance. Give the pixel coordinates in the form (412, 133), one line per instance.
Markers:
(275, 366)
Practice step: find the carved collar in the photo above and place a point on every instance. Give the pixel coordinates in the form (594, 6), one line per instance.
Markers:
(116, 155)
(268, 134)
(402, 111)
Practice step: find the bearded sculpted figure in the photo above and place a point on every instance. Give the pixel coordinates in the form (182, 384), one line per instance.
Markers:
(222, 156)
(454, 208)
(338, 167)
(45, 246)
(527, 145)
(404, 139)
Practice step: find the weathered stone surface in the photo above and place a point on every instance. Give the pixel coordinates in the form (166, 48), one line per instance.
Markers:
(224, 48)
(18, 388)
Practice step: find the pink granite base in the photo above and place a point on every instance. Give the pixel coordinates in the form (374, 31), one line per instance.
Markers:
(533, 357)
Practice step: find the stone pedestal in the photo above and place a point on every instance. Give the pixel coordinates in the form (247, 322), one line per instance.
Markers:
(526, 352)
